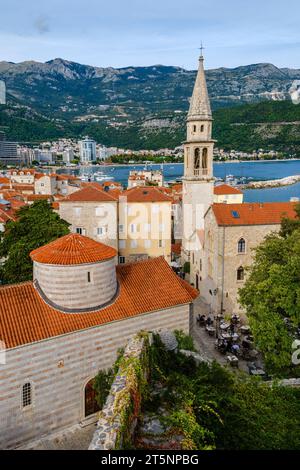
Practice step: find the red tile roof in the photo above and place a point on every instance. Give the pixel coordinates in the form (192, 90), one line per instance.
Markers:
(72, 249)
(267, 213)
(90, 194)
(226, 189)
(6, 214)
(23, 186)
(145, 194)
(145, 286)
(4, 180)
(64, 177)
(112, 183)
(37, 197)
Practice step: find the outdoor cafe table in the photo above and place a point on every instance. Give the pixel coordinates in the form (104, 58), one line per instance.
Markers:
(224, 326)
(245, 329)
(226, 336)
(210, 330)
(233, 360)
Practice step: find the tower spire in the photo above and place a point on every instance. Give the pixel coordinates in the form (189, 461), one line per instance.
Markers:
(200, 105)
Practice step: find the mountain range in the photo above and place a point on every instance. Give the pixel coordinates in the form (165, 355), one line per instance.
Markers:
(110, 101)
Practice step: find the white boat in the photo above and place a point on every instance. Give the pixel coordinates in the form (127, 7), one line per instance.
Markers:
(104, 177)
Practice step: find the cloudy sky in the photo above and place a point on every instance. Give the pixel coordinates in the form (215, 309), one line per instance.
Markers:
(119, 33)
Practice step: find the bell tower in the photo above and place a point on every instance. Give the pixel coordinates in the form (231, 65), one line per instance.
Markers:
(198, 181)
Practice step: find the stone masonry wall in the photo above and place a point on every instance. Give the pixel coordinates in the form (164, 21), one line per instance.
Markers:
(59, 369)
(118, 417)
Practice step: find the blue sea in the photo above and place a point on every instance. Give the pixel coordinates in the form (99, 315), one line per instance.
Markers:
(243, 172)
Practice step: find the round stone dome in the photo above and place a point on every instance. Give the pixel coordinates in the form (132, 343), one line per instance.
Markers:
(75, 273)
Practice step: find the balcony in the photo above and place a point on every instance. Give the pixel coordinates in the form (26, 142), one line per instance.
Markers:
(202, 172)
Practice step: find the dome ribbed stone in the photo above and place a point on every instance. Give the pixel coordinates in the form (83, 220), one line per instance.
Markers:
(73, 249)
(75, 273)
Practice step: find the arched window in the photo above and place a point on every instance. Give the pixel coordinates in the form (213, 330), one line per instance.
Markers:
(26, 394)
(204, 159)
(194, 128)
(241, 245)
(197, 158)
(240, 274)
(202, 128)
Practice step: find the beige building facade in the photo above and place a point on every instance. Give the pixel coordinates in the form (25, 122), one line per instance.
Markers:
(231, 235)
(144, 225)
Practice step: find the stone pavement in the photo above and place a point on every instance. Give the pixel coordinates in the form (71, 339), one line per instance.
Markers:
(204, 343)
(73, 438)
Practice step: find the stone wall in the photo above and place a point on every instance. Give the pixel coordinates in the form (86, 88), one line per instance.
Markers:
(59, 368)
(118, 418)
(91, 216)
(70, 286)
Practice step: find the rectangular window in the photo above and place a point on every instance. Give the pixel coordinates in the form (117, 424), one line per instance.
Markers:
(26, 395)
(101, 230)
(133, 228)
(79, 230)
(121, 228)
(89, 276)
(133, 243)
(122, 243)
(121, 259)
(161, 243)
(147, 243)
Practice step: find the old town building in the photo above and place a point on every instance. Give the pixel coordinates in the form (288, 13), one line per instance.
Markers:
(66, 325)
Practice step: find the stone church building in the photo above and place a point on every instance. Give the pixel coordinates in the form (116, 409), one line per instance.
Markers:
(220, 231)
(66, 325)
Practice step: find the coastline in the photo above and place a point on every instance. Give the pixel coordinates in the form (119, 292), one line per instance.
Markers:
(286, 181)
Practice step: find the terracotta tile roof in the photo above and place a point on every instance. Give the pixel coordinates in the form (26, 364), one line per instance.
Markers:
(64, 177)
(6, 214)
(23, 186)
(266, 213)
(37, 176)
(116, 193)
(90, 194)
(226, 189)
(72, 249)
(4, 180)
(145, 286)
(112, 183)
(145, 194)
(37, 197)
(191, 290)
(177, 187)
(8, 193)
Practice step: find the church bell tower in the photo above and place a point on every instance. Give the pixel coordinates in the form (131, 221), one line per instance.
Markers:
(198, 181)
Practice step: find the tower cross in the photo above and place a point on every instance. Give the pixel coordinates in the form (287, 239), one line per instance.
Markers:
(201, 49)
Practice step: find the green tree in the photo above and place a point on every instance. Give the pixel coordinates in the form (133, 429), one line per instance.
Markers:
(36, 226)
(271, 296)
